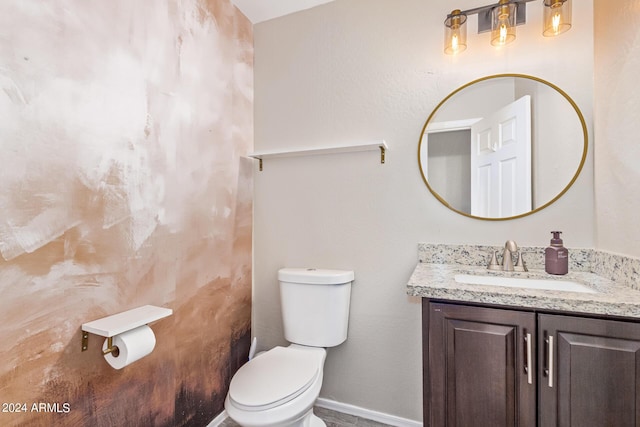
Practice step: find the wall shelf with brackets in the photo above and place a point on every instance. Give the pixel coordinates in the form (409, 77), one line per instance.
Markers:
(335, 149)
(116, 324)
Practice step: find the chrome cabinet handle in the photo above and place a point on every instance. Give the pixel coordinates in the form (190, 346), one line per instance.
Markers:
(527, 368)
(550, 359)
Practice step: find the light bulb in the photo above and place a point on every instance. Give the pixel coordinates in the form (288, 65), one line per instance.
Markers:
(503, 34)
(454, 43)
(555, 23)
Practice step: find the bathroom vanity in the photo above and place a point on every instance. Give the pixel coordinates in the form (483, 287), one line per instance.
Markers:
(519, 348)
(522, 356)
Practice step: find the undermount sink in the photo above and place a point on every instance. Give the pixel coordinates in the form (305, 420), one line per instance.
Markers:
(529, 283)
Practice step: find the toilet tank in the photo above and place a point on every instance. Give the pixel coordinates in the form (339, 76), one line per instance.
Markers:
(315, 305)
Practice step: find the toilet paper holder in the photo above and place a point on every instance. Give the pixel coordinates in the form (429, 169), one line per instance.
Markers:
(113, 349)
(116, 324)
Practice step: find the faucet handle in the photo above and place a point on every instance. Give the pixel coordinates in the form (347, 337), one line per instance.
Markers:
(493, 262)
(520, 264)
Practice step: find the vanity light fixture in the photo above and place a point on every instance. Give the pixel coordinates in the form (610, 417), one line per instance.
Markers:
(501, 19)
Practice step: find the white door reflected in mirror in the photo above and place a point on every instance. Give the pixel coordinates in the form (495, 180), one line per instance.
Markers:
(501, 161)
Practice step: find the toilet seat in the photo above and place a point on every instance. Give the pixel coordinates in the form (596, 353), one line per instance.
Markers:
(275, 377)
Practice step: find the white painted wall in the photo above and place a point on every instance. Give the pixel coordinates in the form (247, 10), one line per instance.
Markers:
(617, 151)
(358, 69)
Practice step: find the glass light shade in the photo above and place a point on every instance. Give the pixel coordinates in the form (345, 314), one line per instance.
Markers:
(503, 23)
(455, 33)
(557, 17)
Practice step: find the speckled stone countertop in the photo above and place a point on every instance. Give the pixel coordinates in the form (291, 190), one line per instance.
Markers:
(434, 275)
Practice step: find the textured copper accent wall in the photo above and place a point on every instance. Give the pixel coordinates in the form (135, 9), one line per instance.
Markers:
(123, 126)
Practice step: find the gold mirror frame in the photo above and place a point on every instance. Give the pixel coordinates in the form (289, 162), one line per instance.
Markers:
(495, 76)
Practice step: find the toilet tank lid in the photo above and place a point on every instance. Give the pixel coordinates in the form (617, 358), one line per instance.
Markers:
(315, 276)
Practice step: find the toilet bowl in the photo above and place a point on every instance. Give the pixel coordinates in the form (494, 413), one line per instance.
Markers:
(279, 387)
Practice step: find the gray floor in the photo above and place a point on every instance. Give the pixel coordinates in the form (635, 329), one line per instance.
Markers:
(331, 418)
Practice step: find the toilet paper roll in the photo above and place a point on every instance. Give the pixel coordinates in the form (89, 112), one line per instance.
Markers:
(132, 345)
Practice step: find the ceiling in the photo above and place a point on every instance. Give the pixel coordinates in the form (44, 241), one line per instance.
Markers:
(263, 10)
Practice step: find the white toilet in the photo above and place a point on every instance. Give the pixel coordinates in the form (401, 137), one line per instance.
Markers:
(280, 386)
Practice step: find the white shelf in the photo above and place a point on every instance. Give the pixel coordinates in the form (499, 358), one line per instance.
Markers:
(118, 323)
(334, 149)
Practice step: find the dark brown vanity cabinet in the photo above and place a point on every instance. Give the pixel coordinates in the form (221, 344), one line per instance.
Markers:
(596, 372)
(498, 367)
(481, 367)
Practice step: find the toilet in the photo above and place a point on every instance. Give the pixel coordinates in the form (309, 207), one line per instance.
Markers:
(279, 387)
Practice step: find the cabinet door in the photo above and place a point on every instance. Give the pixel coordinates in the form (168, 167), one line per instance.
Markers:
(477, 369)
(590, 373)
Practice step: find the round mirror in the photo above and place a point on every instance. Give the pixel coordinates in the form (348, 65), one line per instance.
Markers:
(502, 147)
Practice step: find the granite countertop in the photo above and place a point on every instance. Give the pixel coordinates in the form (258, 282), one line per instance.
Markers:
(436, 281)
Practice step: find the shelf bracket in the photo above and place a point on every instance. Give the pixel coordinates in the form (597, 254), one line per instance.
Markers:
(260, 164)
(383, 152)
(85, 340)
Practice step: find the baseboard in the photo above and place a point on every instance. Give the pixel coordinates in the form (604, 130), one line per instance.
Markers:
(345, 408)
(357, 411)
(219, 419)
